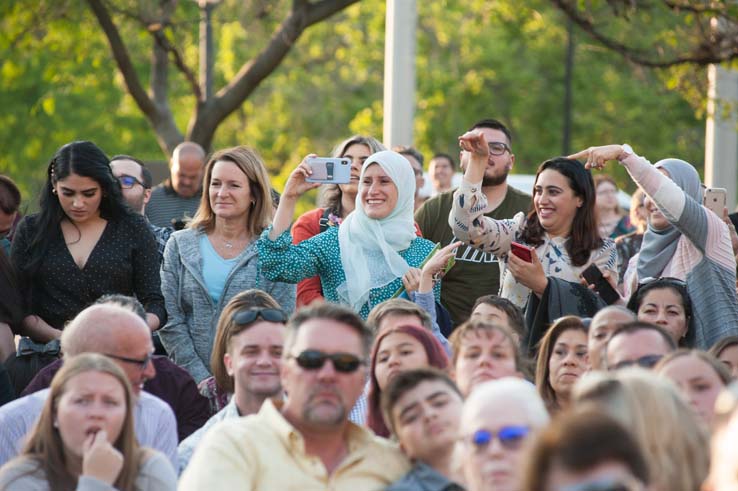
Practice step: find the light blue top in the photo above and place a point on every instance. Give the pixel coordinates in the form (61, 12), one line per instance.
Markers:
(321, 255)
(215, 269)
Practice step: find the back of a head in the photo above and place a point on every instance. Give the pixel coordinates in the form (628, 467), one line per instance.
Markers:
(509, 392)
(98, 327)
(396, 307)
(658, 417)
(575, 447)
(10, 196)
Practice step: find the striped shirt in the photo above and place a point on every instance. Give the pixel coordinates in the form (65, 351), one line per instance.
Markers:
(153, 419)
(166, 206)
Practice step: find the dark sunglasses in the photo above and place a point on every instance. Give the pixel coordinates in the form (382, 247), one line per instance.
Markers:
(647, 361)
(498, 148)
(511, 437)
(342, 362)
(127, 182)
(249, 316)
(142, 364)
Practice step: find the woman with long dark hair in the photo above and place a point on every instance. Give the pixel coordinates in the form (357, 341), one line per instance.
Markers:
(84, 438)
(84, 242)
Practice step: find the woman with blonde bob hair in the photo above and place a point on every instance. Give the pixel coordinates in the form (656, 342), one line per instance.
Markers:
(667, 430)
(216, 257)
(84, 438)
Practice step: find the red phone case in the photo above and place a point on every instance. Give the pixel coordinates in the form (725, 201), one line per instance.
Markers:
(523, 252)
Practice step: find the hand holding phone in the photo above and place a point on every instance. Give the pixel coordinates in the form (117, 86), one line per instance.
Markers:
(604, 289)
(523, 252)
(715, 199)
(328, 170)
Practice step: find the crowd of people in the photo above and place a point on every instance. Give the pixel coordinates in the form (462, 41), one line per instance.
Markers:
(198, 335)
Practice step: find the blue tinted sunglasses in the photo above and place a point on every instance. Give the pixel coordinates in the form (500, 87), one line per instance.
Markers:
(510, 437)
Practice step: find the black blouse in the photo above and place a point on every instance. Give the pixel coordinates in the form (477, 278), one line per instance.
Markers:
(124, 260)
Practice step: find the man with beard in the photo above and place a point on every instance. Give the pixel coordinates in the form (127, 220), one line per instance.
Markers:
(135, 182)
(306, 441)
(475, 273)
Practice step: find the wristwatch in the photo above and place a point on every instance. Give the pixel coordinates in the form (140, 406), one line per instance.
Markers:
(627, 152)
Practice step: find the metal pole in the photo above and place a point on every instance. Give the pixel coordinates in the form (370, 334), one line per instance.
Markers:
(206, 49)
(568, 76)
(399, 72)
(721, 132)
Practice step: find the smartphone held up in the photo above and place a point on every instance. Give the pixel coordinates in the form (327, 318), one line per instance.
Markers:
(328, 170)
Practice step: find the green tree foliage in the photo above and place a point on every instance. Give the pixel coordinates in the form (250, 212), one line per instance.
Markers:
(475, 59)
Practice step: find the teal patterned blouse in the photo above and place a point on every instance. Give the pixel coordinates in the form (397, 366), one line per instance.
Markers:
(321, 255)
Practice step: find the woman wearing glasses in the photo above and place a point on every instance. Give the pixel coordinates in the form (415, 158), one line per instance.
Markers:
(84, 438)
(559, 235)
(84, 242)
(362, 262)
(684, 240)
(216, 257)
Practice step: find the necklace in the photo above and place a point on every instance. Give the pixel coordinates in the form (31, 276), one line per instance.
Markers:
(228, 245)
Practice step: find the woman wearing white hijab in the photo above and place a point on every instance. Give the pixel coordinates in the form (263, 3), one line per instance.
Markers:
(685, 241)
(362, 262)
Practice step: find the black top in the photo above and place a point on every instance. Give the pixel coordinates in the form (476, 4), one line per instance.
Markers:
(124, 260)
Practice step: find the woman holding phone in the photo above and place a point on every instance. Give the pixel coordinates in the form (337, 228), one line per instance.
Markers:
(684, 240)
(362, 262)
(84, 438)
(558, 239)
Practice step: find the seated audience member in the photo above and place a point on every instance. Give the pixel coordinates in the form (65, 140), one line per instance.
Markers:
(723, 474)
(307, 440)
(169, 383)
(585, 450)
(500, 311)
(498, 419)
(11, 308)
(175, 201)
(476, 272)
(628, 245)
(673, 441)
(131, 350)
(684, 240)
(441, 169)
(423, 409)
(726, 350)
(362, 262)
(135, 182)
(416, 161)
(85, 242)
(666, 302)
(217, 257)
(603, 324)
(85, 439)
(560, 232)
(10, 199)
(396, 350)
(611, 220)
(219, 388)
(249, 365)
(699, 376)
(338, 201)
(483, 352)
(399, 311)
(637, 343)
(562, 359)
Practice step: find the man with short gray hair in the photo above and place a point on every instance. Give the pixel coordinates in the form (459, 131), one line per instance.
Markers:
(307, 440)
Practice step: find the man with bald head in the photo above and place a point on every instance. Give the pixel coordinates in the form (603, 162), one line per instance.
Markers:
(178, 198)
(117, 332)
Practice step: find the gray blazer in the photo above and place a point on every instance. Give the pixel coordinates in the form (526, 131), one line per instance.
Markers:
(192, 316)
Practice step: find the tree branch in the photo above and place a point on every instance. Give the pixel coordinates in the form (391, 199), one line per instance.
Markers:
(302, 15)
(123, 60)
(162, 41)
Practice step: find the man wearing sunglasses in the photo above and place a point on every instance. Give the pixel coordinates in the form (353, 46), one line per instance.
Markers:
(497, 419)
(307, 441)
(135, 182)
(637, 343)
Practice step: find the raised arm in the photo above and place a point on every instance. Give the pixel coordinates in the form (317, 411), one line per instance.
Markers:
(295, 187)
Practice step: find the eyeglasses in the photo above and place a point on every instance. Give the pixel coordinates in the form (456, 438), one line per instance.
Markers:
(127, 182)
(498, 148)
(249, 316)
(143, 364)
(647, 361)
(342, 362)
(668, 280)
(511, 437)
(618, 484)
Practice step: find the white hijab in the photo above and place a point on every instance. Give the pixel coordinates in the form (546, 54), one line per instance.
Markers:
(369, 247)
